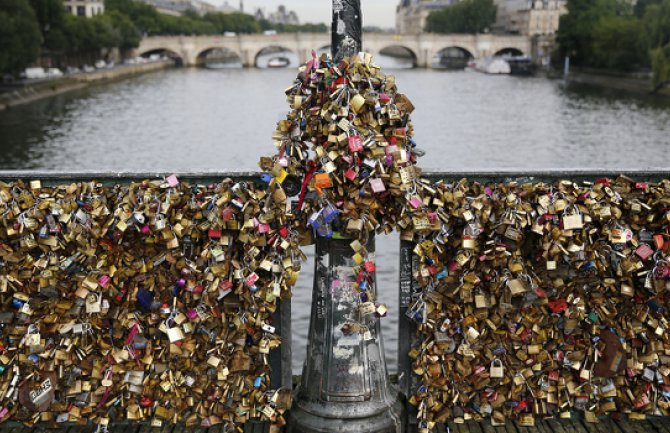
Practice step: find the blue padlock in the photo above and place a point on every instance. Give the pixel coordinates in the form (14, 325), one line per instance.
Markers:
(258, 382)
(266, 177)
(145, 299)
(325, 231)
(330, 212)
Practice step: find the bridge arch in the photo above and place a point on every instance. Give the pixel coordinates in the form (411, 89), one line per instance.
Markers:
(452, 57)
(284, 55)
(175, 56)
(397, 56)
(509, 51)
(219, 55)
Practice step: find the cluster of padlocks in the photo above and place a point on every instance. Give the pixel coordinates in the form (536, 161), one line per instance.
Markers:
(139, 302)
(544, 299)
(153, 301)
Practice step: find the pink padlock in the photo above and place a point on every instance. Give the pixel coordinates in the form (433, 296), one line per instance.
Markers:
(251, 279)
(104, 281)
(415, 202)
(377, 185)
(263, 228)
(355, 144)
(172, 181)
(644, 251)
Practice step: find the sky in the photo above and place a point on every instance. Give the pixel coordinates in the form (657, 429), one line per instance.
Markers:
(375, 12)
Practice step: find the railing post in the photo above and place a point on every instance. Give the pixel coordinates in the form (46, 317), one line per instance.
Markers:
(407, 336)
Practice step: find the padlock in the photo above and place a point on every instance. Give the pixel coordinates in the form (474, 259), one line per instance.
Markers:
(497, 371)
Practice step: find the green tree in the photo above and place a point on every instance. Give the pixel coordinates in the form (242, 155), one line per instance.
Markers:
(656, 24)
(641, 6)
(468, 16)
(617, 45)
(301, 28)
(660, 65)
(19, 36)
(145, 17)
(575, 32)
(51, 17)
(129, 35)
(233, 22)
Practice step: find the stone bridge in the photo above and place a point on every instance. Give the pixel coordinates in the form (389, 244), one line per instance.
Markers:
(422, 48)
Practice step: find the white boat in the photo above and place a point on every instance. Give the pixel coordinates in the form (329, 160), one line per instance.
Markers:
(279, 62)
(493, 65)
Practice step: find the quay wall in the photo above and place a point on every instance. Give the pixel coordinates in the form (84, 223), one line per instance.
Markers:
(44, 89)
(633, 83)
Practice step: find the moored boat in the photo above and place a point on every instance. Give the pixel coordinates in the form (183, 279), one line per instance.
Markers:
(279, 62)
(493, 65)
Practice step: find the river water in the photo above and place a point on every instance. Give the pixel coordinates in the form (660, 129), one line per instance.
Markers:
(198, 119)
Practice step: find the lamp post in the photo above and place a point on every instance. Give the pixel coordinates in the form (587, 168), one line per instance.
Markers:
(345, 385)
(347, 31)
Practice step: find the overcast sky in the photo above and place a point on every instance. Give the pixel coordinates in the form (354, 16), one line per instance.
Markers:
(375, 12)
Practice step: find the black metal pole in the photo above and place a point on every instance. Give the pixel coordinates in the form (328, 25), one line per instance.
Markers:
(347, 31)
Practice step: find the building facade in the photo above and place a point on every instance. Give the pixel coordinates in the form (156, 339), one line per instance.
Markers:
(228, 8)
(84, 8)
(283, 16)
(529, 17)
(411, 15)
(178, 7)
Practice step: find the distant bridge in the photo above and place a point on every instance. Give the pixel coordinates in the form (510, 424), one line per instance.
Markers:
(422, 48)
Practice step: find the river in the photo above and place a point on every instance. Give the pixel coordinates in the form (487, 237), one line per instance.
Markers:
(198, 119)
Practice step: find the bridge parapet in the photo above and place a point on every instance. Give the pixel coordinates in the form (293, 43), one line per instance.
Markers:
(424, 47)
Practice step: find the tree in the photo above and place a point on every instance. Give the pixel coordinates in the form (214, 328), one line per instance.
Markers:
(468, 16)
(641, 6)
(51, 17)
(19, 36)
(617, 45)
(145, 17)
(233, 22)
(129, 35)
(575, 32)
(660, 65)
(656, 23)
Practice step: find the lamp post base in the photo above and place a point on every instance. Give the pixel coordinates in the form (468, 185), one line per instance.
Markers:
(390, 420)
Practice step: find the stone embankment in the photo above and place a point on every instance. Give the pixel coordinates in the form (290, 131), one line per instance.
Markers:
(637, 83)
(31, 92)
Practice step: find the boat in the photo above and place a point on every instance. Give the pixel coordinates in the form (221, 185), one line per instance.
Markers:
(521, 65)
(223, 65)
(493, 65)
(278, 62)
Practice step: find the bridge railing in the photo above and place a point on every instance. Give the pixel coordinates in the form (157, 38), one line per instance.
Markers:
(408, 337)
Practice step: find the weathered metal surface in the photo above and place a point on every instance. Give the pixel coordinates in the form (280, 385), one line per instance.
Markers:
(347, 29)
(345, 386)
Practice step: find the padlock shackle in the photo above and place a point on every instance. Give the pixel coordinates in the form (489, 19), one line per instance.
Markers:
(347, 29)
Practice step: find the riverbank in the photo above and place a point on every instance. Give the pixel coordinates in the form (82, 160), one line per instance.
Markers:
(638, 83)
(31, 92)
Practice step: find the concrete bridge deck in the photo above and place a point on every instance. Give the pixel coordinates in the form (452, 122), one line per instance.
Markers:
(422, 48)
